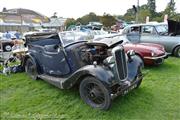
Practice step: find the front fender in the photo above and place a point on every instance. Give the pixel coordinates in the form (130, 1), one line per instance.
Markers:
(178, 44)
(101, 73)
(27, 56)
(134, 68)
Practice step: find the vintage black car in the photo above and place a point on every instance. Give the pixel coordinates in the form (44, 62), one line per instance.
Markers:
(101, 70)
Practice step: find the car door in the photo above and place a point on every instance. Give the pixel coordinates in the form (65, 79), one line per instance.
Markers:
(133, 34)
(149, 35)
(53, 58)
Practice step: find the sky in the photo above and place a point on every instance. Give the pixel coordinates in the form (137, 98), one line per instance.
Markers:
(78, 8)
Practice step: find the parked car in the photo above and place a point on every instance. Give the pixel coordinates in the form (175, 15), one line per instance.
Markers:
(6, 44)
(148, 53)
(102, 70)
(156, 33)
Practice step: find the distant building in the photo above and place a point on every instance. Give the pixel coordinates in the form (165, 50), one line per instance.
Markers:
(21, 19)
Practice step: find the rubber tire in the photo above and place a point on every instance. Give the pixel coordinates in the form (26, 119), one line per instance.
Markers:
(6, 49)
(106, 105)
(138, 84)
(33, 75)
(177, 51)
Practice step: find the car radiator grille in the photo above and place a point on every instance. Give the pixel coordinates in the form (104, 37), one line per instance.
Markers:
(121, 64)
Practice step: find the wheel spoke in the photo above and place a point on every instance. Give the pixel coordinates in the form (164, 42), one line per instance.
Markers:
(94, 93)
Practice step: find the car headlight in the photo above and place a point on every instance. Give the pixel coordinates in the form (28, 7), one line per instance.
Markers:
(152, 53)
(163, 49)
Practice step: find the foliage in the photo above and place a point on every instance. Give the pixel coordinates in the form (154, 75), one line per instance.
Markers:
(130, 15)
(156, 99)
(69, 22)
(152, 7)
(108, 20)
(54, 15)
(143, 13)
(88, 18)
(149, 10)
(170, 10)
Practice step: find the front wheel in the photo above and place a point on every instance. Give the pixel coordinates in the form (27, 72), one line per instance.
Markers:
(177, 51)
(31, 69)
(95, 93)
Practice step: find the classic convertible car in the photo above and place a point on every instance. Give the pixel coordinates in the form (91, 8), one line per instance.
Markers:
(102, 70)
(168, 36)
(148, 53)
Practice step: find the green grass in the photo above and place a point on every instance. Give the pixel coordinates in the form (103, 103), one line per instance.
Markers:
(158, 98)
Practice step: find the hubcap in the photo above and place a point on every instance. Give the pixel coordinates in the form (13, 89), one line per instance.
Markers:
(8, 47)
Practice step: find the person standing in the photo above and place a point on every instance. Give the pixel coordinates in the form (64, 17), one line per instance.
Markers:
(8, 35)
(17, 34)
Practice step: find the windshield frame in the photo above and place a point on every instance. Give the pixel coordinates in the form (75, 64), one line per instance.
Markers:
(74, 37)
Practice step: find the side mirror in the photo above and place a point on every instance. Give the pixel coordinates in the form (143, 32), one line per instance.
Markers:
(130, 53)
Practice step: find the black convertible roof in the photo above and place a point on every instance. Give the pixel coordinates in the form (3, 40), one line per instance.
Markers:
(173, 27)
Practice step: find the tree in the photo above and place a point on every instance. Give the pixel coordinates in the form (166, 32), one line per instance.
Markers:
(108, 20)
(69, 22)
(88, 18)
(130, 15)
(170, 9)
(152, 6)
(54, 15)
(143, 13)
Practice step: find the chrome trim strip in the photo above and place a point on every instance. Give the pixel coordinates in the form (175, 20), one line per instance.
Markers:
(113, 53)
(154, 58)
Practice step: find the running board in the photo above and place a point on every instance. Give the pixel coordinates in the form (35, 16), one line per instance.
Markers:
(53, 80)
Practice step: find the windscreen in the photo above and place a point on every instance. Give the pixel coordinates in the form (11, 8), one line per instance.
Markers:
(162, 29)
(72, 37)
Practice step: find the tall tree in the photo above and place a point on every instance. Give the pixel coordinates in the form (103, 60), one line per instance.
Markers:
(152, 6)
(88, 18)
(108, 20)
(69, 22)
(54, 15)
(143, 13)
(130, 15)
(170, 9)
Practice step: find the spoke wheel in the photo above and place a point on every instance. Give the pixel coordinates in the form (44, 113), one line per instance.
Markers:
(7, 48)
(95, 93)
(30, 69)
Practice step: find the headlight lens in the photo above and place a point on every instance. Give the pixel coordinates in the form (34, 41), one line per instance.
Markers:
(152, 54)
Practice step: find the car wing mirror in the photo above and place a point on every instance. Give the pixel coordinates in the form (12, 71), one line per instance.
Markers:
(130, 53)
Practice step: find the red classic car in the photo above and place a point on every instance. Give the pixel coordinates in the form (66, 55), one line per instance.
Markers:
(149, 53)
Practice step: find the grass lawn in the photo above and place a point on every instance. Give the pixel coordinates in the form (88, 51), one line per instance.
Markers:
(158, 98)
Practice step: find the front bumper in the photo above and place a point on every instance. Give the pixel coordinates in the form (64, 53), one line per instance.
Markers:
(127, 88)
(155, 60)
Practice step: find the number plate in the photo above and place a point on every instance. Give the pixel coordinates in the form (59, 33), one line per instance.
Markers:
(129, 89)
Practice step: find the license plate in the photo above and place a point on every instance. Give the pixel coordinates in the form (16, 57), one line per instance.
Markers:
(129, 89)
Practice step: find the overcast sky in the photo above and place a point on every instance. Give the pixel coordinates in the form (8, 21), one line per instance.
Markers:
(78, 8)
